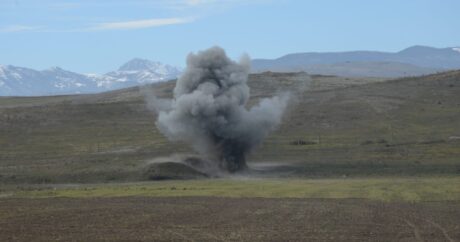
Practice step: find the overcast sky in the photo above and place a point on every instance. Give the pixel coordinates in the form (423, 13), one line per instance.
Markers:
(92, 36)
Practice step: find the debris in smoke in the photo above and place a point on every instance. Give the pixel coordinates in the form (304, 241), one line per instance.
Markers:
(209, 110)
(172, 170)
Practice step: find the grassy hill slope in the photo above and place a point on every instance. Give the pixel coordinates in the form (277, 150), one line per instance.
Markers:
(340, 126)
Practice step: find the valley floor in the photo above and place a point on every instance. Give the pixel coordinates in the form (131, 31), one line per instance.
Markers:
(237, 209)
(357, 160)
(141, 218)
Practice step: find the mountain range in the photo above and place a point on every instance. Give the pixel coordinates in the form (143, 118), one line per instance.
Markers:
(20, 81)
(412, 61)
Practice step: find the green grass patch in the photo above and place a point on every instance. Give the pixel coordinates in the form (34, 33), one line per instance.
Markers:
(384, 189)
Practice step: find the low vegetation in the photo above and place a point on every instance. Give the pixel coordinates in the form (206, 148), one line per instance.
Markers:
(354, 160)
(383, 189)
(339, 127)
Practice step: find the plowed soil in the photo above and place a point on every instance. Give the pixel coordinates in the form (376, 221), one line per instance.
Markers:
(225, 219)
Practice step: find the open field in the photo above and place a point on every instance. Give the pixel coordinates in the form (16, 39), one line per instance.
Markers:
(383, 189)
(339, 127)
(225, 219)
(237, 209)
(354, 160)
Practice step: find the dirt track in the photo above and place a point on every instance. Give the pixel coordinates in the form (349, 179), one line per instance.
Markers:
(216, 219)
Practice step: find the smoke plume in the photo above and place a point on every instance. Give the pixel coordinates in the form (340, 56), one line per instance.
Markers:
(209, 110)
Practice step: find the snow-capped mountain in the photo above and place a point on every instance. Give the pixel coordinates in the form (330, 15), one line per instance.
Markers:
(412, 61)
(28, 82)
(20, 81)
(144, 71)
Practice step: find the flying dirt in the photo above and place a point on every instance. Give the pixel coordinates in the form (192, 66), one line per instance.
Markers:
(209, 110)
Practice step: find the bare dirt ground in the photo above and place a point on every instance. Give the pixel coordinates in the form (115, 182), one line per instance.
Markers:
(226, 219)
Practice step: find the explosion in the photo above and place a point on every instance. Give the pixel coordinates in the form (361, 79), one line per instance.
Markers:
(209, 110)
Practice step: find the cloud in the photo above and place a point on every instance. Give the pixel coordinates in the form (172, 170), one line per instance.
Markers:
(139, 24)
(198, 2)
(207, 5)
(197, 8)
(19, 28)
(126, 25)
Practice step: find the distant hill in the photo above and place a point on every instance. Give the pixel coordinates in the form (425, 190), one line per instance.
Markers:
(20, 81)
(370, 69)
(413, 61)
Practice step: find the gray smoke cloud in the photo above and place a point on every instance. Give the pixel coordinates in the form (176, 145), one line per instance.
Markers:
(209, 110)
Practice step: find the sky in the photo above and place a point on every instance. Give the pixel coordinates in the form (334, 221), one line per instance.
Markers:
(97, 36)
